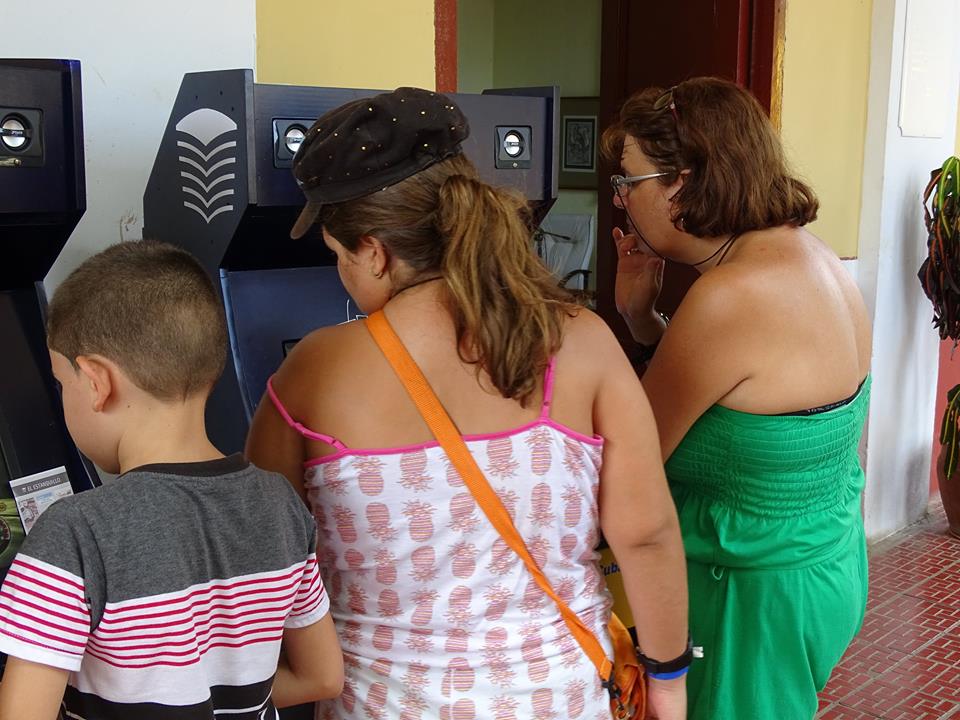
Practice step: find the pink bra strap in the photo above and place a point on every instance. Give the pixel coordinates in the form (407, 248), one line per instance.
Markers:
(548, 388)
(306, 432)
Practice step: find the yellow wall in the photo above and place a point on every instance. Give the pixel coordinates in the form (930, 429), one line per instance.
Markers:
(475, 30)
(825, 74)
(343, 43)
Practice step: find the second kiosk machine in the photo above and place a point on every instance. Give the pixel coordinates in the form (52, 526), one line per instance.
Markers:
(222, 188)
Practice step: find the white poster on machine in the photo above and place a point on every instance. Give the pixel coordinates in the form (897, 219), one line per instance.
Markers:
(35, 493)
(927, 90)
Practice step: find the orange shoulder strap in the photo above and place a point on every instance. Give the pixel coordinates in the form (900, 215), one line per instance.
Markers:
(450, 439)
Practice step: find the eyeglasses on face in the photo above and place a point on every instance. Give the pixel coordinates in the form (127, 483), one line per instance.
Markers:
(619, 181)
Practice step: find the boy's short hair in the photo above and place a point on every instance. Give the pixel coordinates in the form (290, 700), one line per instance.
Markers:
(151, 308)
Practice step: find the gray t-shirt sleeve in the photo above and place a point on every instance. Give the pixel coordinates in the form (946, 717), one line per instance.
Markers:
(311, 603)
(53, 594)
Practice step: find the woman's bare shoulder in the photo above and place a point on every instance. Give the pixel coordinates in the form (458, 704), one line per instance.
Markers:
(331, 337)
(320, 358)
(590, 346)
(584, 328)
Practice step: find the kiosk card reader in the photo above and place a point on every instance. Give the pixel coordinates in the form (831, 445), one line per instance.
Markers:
(42, 197)
(222, 188)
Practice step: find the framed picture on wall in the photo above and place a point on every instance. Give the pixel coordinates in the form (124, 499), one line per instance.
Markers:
(579, 137)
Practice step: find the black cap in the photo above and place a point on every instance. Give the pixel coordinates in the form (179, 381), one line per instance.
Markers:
(369, 144)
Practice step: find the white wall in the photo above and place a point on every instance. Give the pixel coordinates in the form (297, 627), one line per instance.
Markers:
(892, 247)
(133, 55)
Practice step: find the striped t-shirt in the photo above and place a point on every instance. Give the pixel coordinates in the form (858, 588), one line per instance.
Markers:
(166, 592)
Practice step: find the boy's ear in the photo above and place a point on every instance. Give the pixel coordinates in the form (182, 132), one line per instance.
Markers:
(98, 375)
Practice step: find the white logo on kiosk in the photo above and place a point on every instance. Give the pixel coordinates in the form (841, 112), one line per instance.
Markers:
(206, 165)
(35, 493)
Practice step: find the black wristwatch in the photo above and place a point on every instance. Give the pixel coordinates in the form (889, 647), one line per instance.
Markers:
(671, 668)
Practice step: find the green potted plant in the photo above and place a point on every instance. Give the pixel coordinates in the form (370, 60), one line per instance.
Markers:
(940, 277)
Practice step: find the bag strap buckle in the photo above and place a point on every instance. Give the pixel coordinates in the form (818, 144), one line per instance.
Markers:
(621, 712)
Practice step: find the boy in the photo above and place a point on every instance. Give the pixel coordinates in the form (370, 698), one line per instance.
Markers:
(165, 593)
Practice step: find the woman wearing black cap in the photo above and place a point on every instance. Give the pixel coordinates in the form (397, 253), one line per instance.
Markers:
(436, 615)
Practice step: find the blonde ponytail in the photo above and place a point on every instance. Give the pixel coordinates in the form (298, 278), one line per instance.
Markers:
(508, 310)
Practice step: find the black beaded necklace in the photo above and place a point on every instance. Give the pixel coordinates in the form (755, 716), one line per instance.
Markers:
(414, 284)
(724, 248)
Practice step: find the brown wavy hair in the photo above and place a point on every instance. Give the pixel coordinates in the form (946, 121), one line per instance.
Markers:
(738, 177)
(508, 310)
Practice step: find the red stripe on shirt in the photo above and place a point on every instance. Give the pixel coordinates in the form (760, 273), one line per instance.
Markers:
(25, 561)
(31, 641)
(183, 664)
(211, 588)
(82, 617)
(309, 610)
(198, 635)
(308, 606)
(8, 621)
(180, 617)
(34, 583)
(113, 615)
(138, 634)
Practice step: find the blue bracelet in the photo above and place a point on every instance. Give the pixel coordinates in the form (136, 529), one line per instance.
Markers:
(669, 675)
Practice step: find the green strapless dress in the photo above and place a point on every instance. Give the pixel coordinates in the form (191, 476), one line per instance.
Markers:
(770, 513)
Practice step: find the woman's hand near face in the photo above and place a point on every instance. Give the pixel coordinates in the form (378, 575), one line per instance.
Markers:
(639, 279)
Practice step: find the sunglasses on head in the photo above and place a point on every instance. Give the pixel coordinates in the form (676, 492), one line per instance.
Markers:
(665, 100)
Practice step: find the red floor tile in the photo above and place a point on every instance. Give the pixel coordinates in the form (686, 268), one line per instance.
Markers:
(871, 659)
(907, 637)
(840, 712)
(878, 596)
(844, 682)
(905, 663)
(916, 672)
(946, 687)
(922, 706)
(902, 579)
(943, 589)
(877, 625)
(877, 697)
(946, 650)
(922, 612)
(945, 546)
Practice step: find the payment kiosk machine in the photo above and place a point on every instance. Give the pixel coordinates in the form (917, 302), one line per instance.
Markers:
(42, 197)
(222, 188)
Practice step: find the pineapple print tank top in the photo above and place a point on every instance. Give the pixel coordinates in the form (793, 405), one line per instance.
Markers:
(435, 614)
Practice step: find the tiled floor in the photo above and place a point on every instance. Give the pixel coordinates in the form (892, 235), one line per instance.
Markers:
(905, 663)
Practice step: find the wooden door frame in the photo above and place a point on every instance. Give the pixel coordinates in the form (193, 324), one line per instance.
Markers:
(760, 69)
(445, 44)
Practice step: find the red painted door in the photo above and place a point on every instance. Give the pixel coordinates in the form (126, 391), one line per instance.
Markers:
(658, 43)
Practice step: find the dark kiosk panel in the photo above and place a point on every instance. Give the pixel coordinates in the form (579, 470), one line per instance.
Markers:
(222, 188)
(42, 197)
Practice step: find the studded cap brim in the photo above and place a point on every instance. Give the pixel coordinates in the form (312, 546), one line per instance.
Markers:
(305, 220)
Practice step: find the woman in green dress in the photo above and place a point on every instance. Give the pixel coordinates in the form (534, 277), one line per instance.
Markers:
(759, 384)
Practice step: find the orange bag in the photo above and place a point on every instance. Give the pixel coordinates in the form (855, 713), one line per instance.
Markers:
(623, 678)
